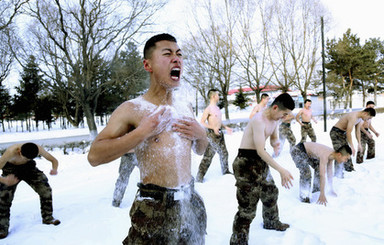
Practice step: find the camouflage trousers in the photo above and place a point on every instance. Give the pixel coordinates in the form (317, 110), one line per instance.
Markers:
(127, 163)
(285, 132)
(216, 144)
(366, 141)
(303, 162)
(253, 181)
(34, 178)
(339, 138)
(307, 129)
(165, 216)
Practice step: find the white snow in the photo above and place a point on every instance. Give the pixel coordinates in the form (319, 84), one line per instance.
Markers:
(82, 197)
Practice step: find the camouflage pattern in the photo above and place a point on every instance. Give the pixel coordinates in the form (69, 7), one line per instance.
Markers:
(307, 129)
(285, 132)
(339, 138)
(366, 141)
(34, 178)
(127, 163)
(303, 162)
(216, 144)
(165, 216)
(253, 181)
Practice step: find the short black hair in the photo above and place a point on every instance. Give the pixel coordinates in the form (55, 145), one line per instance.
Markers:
(307, 100)
(151, 43)
(284, 101)
(264, 95)
(344, 150)
(370, 103)
(211, 91)
(29, 150)
(370, 111)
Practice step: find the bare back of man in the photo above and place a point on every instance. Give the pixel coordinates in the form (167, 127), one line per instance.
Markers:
(348, 120)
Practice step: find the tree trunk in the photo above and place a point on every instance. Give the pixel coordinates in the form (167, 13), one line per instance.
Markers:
(90, 121)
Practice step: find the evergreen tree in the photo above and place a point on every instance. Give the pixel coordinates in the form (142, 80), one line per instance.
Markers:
(5, 103)
(27, 92)
(241, 100)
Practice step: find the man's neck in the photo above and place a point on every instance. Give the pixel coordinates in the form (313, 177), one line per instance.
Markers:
(159, 96)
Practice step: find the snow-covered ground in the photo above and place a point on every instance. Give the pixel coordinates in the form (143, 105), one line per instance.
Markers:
(82, 197)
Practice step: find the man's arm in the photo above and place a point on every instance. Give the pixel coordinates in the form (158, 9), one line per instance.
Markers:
(259, 141)
(254, 111)
(275, 141)
(204, 118)
(190, 129)
(298, 117)
(313, 118)
(358, 136)
(8, 180)
(373, 130)
(365, 131)
(349, 135)
(8, 154)
(323, 163)
(49, 157)
(118, 137)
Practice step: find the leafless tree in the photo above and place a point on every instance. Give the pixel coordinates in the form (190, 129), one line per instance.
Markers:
(253, 49)
(214, 39)
(75, 39)
(296, 44)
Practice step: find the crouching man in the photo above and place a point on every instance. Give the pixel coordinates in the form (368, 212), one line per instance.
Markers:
(320, 158)
(17, 164)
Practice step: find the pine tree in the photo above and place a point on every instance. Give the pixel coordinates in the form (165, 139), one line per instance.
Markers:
(241, 100)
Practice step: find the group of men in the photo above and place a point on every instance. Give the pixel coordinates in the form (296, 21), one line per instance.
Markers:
(167, 209)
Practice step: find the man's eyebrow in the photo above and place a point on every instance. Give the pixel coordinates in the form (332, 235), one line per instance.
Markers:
(170, 50)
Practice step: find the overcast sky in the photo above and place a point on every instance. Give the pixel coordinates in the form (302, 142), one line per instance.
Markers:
(364, 17)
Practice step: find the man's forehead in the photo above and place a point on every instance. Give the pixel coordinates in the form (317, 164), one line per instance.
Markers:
(167, 45)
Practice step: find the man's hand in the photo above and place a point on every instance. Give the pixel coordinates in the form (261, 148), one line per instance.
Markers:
(156, 122)
(286, 178)
(322, 200)
(189, 128)
(53, 172)
(359, 148)
(229, 130)
(10, 180)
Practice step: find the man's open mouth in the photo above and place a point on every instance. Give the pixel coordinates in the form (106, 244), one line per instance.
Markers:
(175, 73)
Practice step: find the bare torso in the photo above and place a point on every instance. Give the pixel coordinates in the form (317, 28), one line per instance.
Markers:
(345, 119)
(259, 118)
(306, 115)
(214, 116)
(164, 159)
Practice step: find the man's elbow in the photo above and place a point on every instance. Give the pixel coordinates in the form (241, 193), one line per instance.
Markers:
(94, 161)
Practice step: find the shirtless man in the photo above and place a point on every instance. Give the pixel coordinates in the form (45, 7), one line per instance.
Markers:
(367, 138)
(167, 209)
(251, 168)
(212, 115)
(261, 106)
(320, 158)
(17, 164)
(341, 134)
(305, 123)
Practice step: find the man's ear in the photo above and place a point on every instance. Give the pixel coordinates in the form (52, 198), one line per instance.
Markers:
(147, 65)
